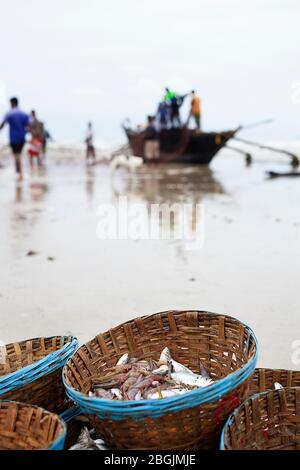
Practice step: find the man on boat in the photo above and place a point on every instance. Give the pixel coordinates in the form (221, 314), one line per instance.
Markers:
(18, 122)
(169, 95)
(151, 148)
(195, 111)
(174, 101)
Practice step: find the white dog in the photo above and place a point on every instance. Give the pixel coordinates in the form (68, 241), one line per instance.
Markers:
(131, 163)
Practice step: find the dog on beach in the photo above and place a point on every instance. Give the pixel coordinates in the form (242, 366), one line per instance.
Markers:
(131, 163)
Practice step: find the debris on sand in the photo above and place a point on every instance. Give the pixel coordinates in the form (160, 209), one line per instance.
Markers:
(32, 253)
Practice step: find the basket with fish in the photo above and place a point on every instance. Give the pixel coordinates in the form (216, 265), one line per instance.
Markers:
(28, 427)
(265, 421)
(30, 371)
(163, 381)
(268, 379)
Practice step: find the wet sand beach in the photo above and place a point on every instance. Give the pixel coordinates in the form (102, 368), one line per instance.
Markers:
(248, 266)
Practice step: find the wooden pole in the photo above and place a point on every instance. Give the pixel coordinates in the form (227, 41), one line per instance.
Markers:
(293, 156)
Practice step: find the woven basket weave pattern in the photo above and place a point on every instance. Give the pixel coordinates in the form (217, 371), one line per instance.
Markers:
(222, 344)
(265, 421)
(30, 371)
(264, 379)
(26, 427)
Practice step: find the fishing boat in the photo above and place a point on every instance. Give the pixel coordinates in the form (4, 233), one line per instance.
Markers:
(181, 145)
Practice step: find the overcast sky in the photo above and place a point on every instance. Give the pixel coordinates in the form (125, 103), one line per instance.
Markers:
(80, 60)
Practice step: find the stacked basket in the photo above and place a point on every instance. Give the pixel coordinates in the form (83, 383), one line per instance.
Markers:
(27, 427)
(31, 373)
(269, 419)
(227, 349)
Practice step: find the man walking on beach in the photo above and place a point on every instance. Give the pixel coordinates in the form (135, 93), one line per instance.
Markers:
(89, 140)
(18, 122)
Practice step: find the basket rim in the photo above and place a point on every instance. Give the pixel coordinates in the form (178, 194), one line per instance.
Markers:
(58, 443)
(118, 410)
(48, 364)
(236, 411)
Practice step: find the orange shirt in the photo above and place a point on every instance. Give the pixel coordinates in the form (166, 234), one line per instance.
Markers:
(195, 106)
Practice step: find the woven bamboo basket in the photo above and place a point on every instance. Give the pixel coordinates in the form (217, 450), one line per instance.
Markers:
(266, 421)
(27, 427)
(226, 348)
(30, 371)
(264, 379)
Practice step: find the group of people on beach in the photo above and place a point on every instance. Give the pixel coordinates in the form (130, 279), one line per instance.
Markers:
(21, 123)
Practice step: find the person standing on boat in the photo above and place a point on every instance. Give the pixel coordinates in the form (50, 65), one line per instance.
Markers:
(169, 95)
(175, 101)
(89, 140)
(171, 98)
(18, 122)
(195, 112)
(163, 114)
(151, 147)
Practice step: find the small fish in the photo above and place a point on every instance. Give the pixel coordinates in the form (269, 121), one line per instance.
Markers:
(166, 393)
(86, 442)
(109, 384)
(147, 382)
(203, 372)
(177, 367)
(101, 393)
(162, 370)
(117, 393)
(133, 392)
(188, 379)
(277, 386)
(123, 359)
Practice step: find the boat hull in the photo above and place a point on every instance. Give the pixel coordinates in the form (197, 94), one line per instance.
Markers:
(182, 145)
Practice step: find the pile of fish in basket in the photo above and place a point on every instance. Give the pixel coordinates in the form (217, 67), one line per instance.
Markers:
(133, 379)
(172, 380)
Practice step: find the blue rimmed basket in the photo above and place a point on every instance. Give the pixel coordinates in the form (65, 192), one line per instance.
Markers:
(265, 421)
(227, 349)
(30, 371)
(28, 427)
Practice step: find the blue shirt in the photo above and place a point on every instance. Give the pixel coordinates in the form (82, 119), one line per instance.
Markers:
(18, 122)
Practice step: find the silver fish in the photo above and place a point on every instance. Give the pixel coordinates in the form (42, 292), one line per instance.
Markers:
(85, 442)
(167, 393)
(117, 393)
(162, 370)
(190, 379)
(277, 386)
(177, 367)
(123, 359)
